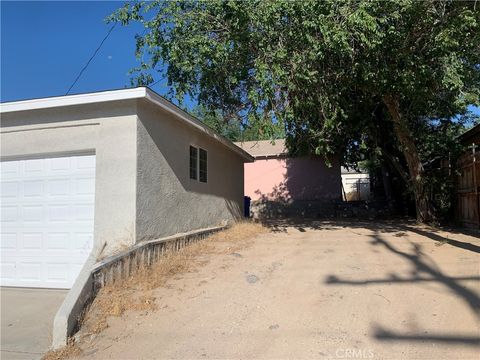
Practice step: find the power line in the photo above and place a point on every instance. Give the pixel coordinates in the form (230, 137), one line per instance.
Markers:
(155, 83)
(91, 58)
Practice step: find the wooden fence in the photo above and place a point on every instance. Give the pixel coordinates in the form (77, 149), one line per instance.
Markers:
(468, 186)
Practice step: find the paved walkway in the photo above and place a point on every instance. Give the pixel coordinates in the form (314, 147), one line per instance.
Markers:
(26, 321)
(316, 290)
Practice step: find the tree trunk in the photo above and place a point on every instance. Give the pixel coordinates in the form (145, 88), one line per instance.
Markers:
(415, 167)
(387, 185)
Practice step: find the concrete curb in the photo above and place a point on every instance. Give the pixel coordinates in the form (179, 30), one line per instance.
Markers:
(96, 274)
(122, 265)
(80, 295)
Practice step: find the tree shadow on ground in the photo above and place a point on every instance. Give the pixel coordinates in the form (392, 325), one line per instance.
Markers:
(399, 226)
(424, 270)
(436, 237)
(382, 334)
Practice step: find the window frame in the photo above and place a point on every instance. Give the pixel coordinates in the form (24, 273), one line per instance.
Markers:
(200, 150)
(197, 171)
(195, 163)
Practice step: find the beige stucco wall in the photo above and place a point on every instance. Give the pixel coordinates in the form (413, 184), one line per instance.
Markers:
(168, 201)
(142, 184)
(107, 130)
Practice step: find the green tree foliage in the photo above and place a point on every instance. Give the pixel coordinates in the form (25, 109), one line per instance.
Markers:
(235, 130)
(214, 119)
(255, 131)
(349, 76)
(438, 143)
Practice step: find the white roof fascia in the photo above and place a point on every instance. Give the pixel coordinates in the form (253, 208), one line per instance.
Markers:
(192, 121)
(71, 100)
(117, 95)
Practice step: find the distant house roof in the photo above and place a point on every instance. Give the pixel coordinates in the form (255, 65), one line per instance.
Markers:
(264, 148)
(118, 95)
(351, 171)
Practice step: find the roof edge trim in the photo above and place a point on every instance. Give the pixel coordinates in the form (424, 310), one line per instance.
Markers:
(72, 100)
(158, 100)
(118, 95)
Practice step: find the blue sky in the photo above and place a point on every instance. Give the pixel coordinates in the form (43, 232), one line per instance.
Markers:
(45, 44)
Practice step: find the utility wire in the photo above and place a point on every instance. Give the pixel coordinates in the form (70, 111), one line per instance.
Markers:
(156, 82)
(91, 58)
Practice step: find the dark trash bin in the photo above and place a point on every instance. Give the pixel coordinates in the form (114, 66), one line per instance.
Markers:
(246, 206)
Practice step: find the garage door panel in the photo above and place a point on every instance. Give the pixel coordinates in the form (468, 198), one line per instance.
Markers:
(8, 241)
(58, 188)
(85, 162)
(47, 218)
(30, 269)
(32, 241)
(58, 241)
(9, 214)
(83, 212)
(9, 190)
(8, 270)
(52, 241)
(60, 164)
(85, 186)
(9, 169)
(33, 189)
(57, 271)
(36, 166)
(33, 214)
(59, 213)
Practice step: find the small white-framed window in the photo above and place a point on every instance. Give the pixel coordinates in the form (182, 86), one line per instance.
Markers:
(203, 165)
(193, 163)
(198, 167)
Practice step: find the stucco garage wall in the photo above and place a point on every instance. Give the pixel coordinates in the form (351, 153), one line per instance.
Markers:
(168, 201)
(107, 130)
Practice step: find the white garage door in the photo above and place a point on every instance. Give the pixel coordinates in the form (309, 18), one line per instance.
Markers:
(47, 209)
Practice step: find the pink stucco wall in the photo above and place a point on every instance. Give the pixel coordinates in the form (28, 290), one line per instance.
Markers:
(284, 179)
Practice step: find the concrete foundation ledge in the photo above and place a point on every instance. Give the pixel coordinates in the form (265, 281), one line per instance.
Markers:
(321, 209)
(96, 274)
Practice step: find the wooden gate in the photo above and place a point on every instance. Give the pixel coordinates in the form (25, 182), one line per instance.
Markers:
(468, 184)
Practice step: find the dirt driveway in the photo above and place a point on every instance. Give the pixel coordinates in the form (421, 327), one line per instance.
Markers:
(316, 290)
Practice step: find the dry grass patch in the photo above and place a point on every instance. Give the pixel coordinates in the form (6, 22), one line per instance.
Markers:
(236, 238)
(135, 292)
(114, 301)
(70, 350)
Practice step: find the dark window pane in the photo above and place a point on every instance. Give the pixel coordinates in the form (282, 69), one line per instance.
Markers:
(193, 162)
(203, 166)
